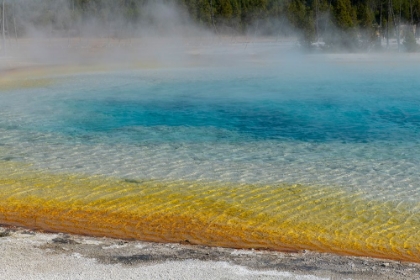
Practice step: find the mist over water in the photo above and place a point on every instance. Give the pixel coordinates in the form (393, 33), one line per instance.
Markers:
(52, 32)
(159, 33)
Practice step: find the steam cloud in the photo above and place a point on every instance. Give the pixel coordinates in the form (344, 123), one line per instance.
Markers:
(51, 31)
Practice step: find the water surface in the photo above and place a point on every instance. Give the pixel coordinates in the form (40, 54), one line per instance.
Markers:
(347, 133)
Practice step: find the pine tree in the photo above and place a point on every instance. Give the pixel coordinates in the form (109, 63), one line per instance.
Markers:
(226, 10)
(344, 14)
(410, 43)
(204, 12)
(302, 18)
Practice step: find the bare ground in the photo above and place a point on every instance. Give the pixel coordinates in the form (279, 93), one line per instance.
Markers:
(23, 246)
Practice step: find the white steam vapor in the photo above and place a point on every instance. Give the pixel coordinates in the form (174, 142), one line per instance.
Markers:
(50, 31)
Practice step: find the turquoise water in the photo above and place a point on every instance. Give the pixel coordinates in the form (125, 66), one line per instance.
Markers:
(294, 152)
(353, 125)
(348, 106)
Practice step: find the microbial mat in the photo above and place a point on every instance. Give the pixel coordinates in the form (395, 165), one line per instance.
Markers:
(296, 153)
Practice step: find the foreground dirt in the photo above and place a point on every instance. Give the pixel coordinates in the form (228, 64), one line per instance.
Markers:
(136, 254)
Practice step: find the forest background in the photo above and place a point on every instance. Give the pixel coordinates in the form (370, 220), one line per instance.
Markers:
(338, 24)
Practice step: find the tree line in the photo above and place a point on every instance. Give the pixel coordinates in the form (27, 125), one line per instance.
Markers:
(338, 23)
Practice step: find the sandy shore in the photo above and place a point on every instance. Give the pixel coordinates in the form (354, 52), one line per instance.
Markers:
(34, 255)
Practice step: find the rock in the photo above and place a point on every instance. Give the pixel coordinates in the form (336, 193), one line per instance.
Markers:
(64, 240)
(5, 233)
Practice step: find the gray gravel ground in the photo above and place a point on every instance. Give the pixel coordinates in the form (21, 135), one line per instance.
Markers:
(35, 255)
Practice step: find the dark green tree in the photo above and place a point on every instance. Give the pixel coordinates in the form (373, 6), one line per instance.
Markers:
(344, 14)
(410, 43)
(301, 18)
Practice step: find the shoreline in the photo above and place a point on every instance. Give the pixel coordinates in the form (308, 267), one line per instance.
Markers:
(40, 255)
(210, 214)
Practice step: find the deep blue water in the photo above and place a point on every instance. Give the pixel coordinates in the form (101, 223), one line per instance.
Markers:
(345, 104)
(341, 125)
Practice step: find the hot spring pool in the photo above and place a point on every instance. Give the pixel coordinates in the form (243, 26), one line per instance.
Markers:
(288, 156)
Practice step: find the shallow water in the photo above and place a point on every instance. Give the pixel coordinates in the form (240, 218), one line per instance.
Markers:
(348, 133)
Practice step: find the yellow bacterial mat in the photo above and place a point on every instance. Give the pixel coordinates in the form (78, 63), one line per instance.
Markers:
(278, 216)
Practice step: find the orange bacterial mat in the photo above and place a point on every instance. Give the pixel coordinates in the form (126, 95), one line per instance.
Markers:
(278, 217)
